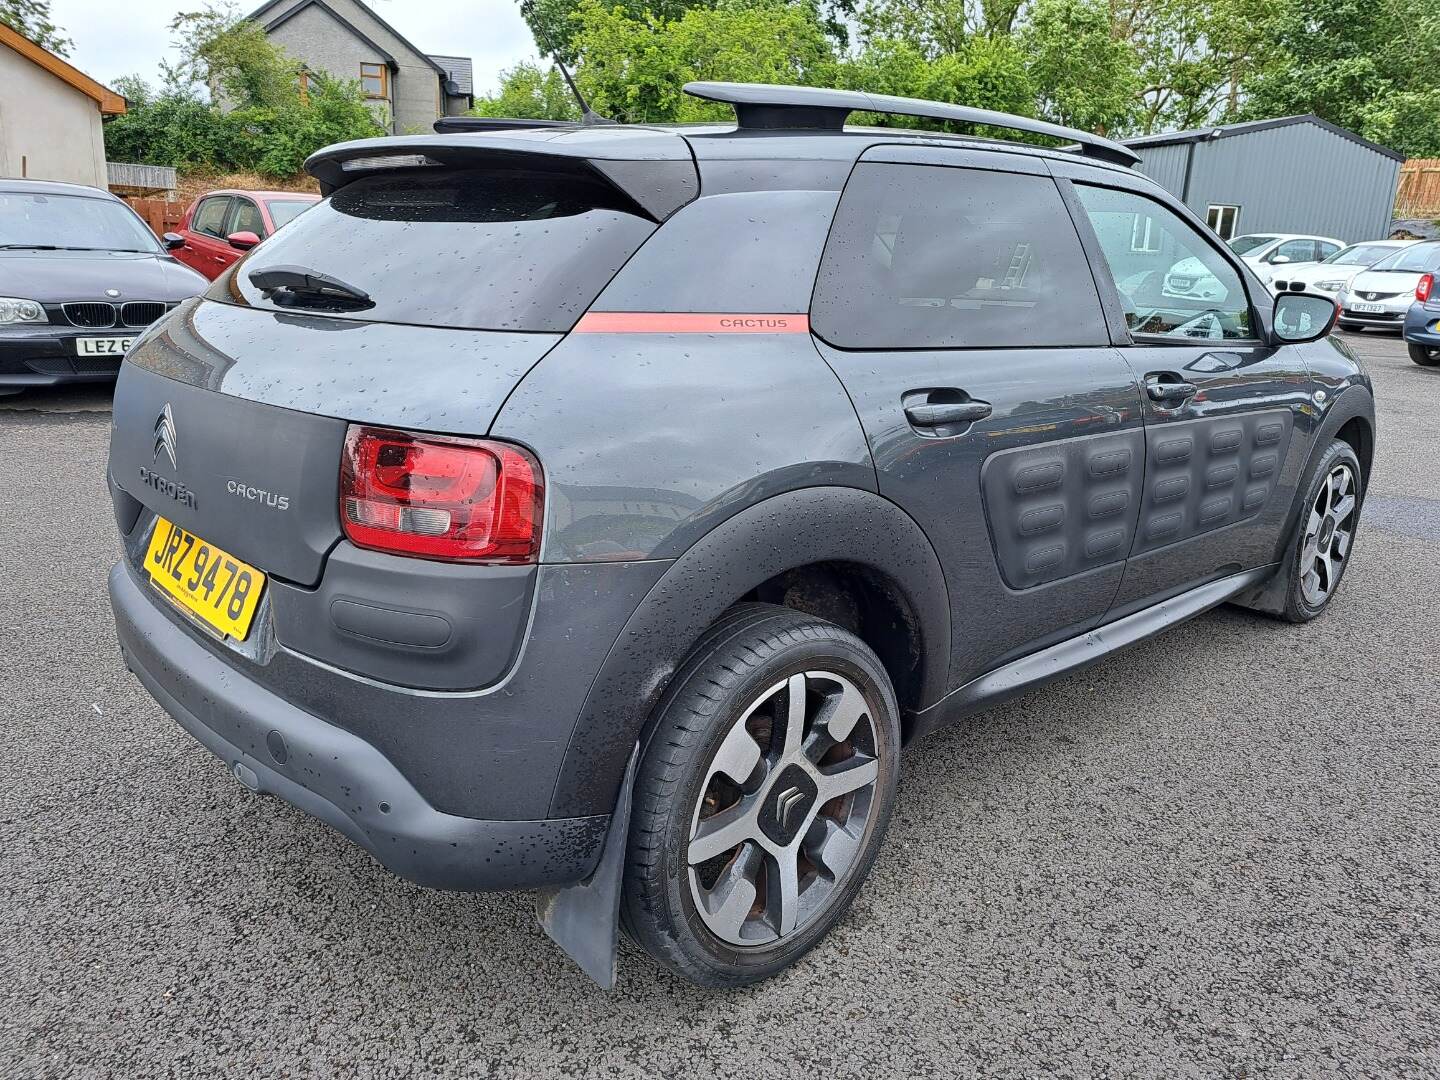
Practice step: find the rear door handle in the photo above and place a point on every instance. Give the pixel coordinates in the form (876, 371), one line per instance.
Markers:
(938, 414)
(1167, 386)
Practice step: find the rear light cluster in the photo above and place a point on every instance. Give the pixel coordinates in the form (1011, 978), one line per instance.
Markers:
(439, 497)
(1422, 289)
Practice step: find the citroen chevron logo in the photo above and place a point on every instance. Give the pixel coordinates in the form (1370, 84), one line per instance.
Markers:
(165, 435)
(788, 801)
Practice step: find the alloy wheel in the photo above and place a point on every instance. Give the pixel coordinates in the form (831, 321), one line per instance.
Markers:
(782, 814)
(1329, 532)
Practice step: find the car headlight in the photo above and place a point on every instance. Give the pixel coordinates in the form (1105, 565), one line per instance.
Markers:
(1330, 286)
(14, 310)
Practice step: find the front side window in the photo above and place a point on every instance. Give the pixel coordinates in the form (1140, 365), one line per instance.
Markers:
(35, 220)
(373, 80)
(1183, 288)
(210, 217)
(247, 218)
(923, 256)
(1295, 251)
(1222, 219)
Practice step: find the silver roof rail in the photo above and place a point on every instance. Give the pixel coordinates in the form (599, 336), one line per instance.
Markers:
(761, 106)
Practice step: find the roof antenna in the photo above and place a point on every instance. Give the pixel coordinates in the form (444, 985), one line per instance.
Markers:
(588, 116)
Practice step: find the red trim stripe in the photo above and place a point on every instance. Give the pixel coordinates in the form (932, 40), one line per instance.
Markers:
(689, 322)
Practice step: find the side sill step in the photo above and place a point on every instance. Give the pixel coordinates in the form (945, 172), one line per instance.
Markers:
(1079, 652)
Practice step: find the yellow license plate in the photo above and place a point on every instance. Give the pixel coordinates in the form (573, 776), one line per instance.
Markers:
(213, 585)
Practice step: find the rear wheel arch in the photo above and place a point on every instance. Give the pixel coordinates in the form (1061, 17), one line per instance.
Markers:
(870, 550)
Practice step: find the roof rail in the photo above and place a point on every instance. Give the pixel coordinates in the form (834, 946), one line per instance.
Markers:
(760, 106)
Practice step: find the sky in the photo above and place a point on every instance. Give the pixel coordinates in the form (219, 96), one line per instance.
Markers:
(131, 37)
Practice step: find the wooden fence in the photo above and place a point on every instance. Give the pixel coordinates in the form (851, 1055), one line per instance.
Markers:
(1419, 193)
(161, 215)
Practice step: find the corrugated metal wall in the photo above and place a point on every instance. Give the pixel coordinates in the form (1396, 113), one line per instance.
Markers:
(1299, 178)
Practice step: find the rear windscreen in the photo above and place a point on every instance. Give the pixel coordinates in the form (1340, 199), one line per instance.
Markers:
(490, 249)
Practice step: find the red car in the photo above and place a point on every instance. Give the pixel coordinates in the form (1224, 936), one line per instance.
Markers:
(221, 226)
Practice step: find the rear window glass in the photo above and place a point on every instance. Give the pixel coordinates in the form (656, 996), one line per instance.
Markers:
(284, 211)
(480, 249)
(925, 256)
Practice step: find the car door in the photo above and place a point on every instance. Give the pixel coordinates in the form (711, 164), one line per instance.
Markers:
(955, 303)
(1221, 406)
(205, 247)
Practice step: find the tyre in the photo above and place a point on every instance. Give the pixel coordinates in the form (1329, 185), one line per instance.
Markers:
(762, 796)
(1424, 355)
(1354, 328)
(1326, 536)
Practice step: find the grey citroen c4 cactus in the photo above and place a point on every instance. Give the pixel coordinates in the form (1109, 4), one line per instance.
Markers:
(600, 509)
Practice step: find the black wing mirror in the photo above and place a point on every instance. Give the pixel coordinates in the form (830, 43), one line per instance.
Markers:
(173, 240)
(1301, 317)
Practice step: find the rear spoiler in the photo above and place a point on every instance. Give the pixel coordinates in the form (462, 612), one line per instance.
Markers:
(653, 169)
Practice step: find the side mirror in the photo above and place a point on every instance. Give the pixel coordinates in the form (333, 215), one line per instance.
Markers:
(173, 240)
(243, 241)
(1301, 317)
(1278, 260)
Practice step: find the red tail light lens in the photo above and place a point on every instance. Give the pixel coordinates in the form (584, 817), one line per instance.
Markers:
(1422, 290)
(438, 497)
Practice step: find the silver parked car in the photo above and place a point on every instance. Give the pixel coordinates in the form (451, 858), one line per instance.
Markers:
(1381, 295)
(1330, 275)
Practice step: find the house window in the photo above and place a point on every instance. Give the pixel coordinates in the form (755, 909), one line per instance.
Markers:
(1144, 236)
(374, 80)
(1223, 220)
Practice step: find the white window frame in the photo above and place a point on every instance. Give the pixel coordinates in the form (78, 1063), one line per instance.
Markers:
(1144, 236)
(1215, 218)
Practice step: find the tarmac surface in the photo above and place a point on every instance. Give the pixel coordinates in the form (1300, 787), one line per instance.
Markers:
(1214, 855)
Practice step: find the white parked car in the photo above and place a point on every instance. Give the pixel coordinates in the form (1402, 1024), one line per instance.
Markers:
(1381, 295)
(1264, 253)
(1329, 276)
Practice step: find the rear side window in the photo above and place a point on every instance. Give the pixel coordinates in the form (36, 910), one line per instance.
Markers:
(501, 249)
(925, 256)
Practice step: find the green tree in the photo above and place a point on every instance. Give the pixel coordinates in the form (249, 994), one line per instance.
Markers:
(633, 67)
(528, 92)
(32, 19)
(234, 58)
(1085, 75)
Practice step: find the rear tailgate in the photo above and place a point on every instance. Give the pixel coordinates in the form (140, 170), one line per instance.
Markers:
(463, 260)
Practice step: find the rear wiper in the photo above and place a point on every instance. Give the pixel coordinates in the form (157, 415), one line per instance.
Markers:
(300, 286)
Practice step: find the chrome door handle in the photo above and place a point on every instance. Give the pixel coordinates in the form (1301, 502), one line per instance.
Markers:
(938, 414)
(1165, 386)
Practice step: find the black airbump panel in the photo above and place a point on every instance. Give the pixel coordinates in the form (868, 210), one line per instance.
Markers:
(1208, 473)
(1062, 507)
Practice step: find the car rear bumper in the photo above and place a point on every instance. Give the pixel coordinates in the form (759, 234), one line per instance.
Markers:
(1421, 323)
(276, 748)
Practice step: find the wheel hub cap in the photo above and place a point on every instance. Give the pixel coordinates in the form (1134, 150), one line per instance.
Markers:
(783, 811)
(788, 806)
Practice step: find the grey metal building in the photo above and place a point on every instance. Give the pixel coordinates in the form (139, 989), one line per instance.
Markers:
(1297, 174)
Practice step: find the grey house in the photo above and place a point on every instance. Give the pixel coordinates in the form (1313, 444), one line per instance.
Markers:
(1297, 174)
(408, 89)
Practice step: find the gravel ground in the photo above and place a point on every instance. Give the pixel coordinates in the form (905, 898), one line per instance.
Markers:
(1212, 856)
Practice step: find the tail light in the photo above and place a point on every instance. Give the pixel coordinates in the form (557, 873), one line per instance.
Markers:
(438, 497)
(1422, 290)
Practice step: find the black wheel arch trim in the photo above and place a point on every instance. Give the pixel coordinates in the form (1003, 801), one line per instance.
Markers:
(1355, 401)
(787, 531)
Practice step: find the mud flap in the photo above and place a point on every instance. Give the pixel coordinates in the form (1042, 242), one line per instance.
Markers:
(584, 919)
